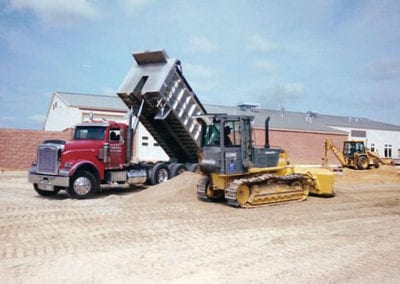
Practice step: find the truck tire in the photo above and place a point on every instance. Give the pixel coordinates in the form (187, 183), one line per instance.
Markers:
(159, 173)
(45, 193)
(362, 163)
(178, 169)
(193, 167)
(83, 185)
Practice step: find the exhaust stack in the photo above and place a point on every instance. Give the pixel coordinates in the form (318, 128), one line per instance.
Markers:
(267, 132)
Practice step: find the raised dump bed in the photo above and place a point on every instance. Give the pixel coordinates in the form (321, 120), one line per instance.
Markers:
(169, 103)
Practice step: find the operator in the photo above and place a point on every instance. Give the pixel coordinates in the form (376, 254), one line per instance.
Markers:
(227, 139)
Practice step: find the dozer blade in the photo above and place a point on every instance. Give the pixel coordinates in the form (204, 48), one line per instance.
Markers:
(267, 189)
(320, 180)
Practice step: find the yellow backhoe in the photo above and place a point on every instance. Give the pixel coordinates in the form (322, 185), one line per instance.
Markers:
(354, 155)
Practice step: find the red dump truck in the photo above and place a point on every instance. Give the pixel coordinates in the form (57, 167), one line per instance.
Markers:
(158, 95)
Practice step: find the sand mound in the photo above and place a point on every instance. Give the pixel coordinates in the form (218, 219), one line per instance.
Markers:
(180, 188)
(382, 174)
(183, 187)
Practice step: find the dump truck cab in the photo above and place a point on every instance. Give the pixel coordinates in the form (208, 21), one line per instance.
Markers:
(101, 143)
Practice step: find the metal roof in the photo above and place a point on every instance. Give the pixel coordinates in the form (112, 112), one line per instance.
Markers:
(91, 101)
(356, 122)
(280, 119)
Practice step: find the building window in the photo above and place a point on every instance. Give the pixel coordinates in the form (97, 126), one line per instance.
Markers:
(388, 150)
(372, 147)
(359, 133)
(145, 140)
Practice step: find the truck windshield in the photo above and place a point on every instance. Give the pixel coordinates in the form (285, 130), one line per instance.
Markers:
(89, 133)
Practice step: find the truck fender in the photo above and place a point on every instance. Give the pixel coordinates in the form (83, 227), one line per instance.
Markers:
(88, 166)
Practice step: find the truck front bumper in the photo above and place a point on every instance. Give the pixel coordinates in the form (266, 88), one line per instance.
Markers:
(48, 182)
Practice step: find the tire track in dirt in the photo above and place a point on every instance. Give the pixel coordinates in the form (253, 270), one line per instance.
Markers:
(155, 235)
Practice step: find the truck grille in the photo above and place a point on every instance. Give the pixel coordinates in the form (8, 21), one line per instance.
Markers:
(47, 160)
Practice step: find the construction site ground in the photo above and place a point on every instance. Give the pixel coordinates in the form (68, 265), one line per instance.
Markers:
(163, 234)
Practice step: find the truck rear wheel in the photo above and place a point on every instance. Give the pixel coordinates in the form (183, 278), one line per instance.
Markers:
(159, 173)
(83, 185)
(193, 167)
(178, 169)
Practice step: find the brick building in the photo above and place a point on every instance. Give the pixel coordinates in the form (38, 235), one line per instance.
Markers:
(301, 134)
(18, 147)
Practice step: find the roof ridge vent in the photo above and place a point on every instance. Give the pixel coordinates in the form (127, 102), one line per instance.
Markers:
(254, 107)
(310, 115)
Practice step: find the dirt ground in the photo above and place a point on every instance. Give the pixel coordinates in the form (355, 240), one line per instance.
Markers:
(163, 234)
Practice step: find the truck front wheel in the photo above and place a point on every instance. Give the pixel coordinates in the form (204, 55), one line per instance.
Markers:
(83, 185)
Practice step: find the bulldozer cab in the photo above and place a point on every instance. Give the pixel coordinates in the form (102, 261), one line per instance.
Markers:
(352, 147)
(226, 143)
(224, 133)
(227, 146)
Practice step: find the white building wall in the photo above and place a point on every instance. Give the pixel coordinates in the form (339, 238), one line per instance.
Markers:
(102, 115)
(61, 116)
(379, 139)
(385, 139)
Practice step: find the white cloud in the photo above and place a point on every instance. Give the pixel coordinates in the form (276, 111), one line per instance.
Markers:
(259, 43)
(266, 66)
(86, 66)
(37, 118)
(198, 71)
(6, 118)
(201, 87)
(132, 4)
(385, 69)
(202, 44)
(57, 11)
(377, 19)
(201, 78)
(288, 90)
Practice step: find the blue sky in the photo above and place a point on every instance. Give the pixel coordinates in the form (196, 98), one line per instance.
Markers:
(331, 57)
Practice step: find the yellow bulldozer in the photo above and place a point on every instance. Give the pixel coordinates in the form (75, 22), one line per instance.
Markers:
(235, 170)
(355, 155)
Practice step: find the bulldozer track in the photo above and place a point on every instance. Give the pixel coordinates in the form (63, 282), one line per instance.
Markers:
(266, 197)
(201, 188)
